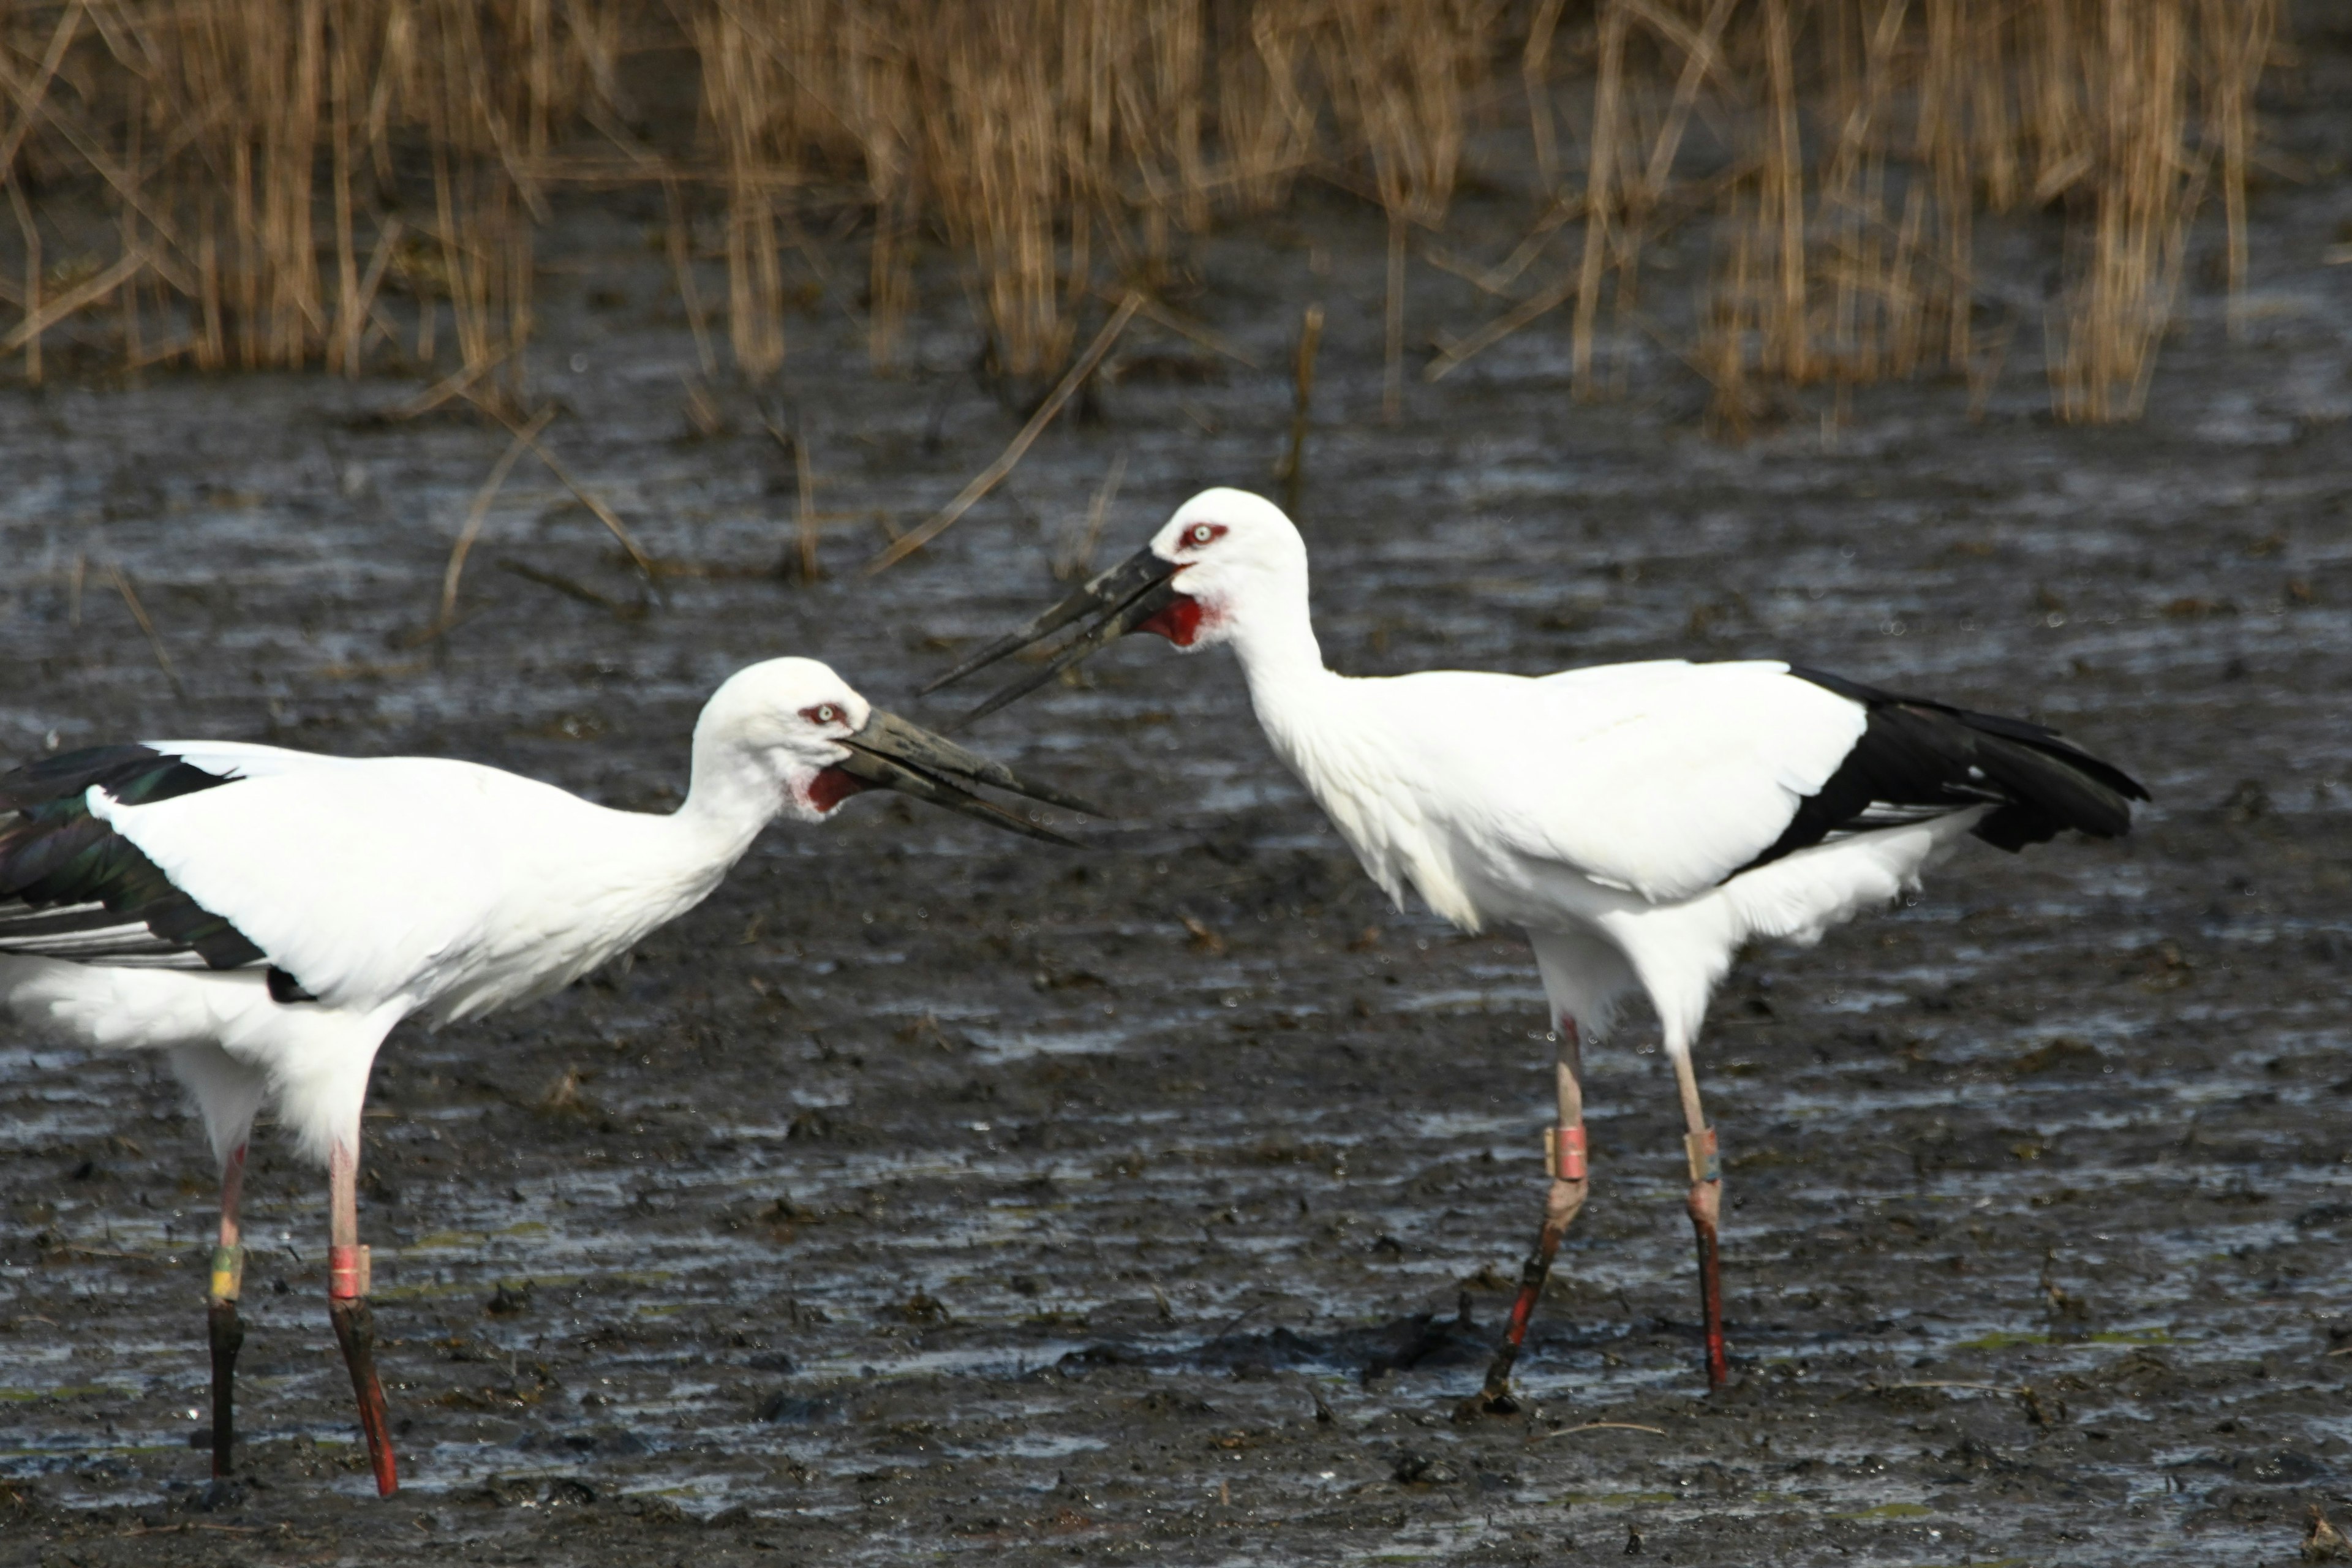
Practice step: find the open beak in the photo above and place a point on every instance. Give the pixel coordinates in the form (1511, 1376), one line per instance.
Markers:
(891, 753)
(1109, 606)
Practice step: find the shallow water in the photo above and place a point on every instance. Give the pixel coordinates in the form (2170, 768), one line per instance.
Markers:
(933, 1192)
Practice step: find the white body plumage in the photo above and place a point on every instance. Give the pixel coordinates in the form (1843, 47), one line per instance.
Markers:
(1602, 812)
(379, 889)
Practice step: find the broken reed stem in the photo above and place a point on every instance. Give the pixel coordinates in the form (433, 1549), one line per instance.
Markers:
(805, 520)
(1077, 559)
(1504, 325)
(524, 439)
(73, 299)
(1599, 1426)
(989, 478)
(30, 99)
(1393, 370)
(1302, 400)
(677, 238)
(31, 230)
(528, 437)
(1161, 315)
(458, 384)
(121, 579)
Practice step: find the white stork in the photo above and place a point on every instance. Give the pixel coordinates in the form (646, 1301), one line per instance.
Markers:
(264, 917)
(1637, 822)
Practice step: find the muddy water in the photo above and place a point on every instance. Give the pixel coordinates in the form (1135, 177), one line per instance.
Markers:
(935, 1193)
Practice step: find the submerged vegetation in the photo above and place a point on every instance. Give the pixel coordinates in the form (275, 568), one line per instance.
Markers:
(359, 184)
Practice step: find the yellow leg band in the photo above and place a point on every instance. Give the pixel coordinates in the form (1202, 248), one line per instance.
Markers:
(228, 1273)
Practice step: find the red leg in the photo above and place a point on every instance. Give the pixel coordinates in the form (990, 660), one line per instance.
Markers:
(347, 1292)
(1564, 1159)
(226, 1331)
(1705, 1204)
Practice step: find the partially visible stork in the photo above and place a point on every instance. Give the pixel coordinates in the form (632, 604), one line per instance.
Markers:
(1637, 822)
(265, 917)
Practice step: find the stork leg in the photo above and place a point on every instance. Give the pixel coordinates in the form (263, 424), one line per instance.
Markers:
(225, 1330)
(1705, 1209)
(347, 1293)
(1564, 1159)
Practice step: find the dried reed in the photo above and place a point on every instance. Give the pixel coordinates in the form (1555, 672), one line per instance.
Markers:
(357, 184)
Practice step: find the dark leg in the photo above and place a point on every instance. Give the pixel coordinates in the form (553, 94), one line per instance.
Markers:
(347, 1292)
(1705, 1211)
(227, 1333)
(1564, 1159)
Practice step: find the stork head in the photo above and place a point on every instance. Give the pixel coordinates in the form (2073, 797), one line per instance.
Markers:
(794, 727)
(1232, 552)
(1227, 560)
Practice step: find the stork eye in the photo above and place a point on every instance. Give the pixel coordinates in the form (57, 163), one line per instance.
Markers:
(1202, 533)
(823, 713)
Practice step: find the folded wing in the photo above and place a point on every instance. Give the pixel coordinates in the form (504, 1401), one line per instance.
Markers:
(1667, 779)
(72, 886)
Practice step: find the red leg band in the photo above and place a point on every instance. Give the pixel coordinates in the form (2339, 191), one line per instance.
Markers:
(347, 1273)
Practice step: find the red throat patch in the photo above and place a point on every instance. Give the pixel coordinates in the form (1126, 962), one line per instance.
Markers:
(1180, 622)
(833, 786)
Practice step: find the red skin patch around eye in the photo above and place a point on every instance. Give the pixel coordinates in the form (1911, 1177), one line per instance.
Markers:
(1180, 622)
(832, 786)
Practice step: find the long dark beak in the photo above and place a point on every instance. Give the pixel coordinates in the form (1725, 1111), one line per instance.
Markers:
(891, 753)
(1116, 602)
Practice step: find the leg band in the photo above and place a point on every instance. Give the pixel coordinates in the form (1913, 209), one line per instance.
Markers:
(347, 1273)
(228, 1273)
(1564, 1153)
(1706, 1162)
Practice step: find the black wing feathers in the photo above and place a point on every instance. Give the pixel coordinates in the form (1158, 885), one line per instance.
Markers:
(72, 886)
(1921, 757)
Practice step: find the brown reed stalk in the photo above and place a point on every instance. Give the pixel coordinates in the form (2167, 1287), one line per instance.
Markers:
(254, 153)
(1406, 71)
(1600, 192)
(876, 99)
(743, 88)
(1789, 333)
(991, 154)
(1535, 80)
(1293, 473)
(30, 230)
(1266, 119)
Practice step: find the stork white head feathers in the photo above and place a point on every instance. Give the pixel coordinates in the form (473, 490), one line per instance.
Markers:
(1238, 561)
(772, 730)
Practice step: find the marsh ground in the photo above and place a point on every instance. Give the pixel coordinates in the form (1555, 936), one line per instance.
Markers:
(931, 1193)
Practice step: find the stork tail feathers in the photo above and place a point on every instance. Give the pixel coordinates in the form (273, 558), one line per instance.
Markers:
(1918, 758)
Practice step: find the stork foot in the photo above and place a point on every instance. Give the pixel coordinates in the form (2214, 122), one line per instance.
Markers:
(226, 1332)
(1561, 1205)
(355, 1331)
(1705, 1209)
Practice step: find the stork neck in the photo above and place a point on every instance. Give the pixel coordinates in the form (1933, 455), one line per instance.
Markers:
(1283, 664)
(1279, 654)
(730, 797)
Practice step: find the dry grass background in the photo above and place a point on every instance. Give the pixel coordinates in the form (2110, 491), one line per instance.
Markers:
(350, 183)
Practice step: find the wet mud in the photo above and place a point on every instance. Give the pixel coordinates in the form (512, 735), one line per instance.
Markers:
(931, 1193)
